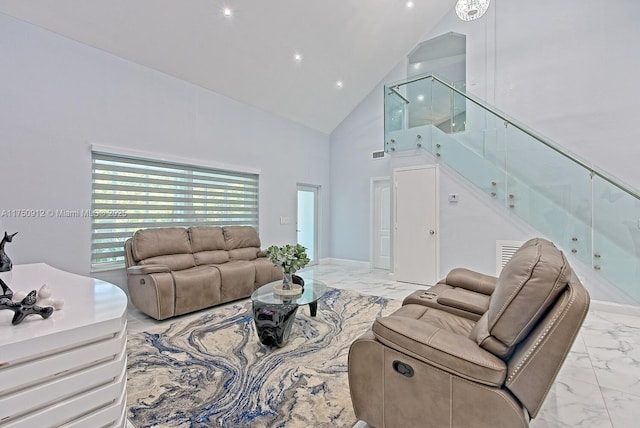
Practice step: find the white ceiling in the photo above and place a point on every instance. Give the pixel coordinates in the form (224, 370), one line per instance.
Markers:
(250, 56)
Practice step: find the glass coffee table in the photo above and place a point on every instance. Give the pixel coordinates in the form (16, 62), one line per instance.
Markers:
(274, 314)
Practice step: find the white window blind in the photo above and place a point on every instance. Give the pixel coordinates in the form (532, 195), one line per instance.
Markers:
(131, 193)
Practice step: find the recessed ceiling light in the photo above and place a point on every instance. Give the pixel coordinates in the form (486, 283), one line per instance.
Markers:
(227, 12)
(339, 84)
(297, 57)
(420, 97)
(410, 5)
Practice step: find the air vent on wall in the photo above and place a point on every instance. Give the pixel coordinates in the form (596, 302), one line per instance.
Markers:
(504, 252)
(378, 155)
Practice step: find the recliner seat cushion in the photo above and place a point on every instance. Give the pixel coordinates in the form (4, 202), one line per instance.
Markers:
(212, 257)
(266, 271)
(441, 339)
(174, 261)
(527, 286)
(196, 288)
(249, 253)
(437, 318)
(238, 279)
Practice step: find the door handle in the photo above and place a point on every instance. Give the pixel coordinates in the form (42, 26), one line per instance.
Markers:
(432, 232)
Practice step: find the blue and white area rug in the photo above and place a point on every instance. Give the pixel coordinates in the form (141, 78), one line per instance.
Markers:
(213, 371)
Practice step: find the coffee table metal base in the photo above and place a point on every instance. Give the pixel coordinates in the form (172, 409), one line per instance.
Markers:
(274, 322)
(274, 314)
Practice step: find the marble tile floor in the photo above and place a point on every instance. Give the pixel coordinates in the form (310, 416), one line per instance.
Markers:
(597, 387)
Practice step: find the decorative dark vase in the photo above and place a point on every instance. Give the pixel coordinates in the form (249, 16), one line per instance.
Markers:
(5, 261)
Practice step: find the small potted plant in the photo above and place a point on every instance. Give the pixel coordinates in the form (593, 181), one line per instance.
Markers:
(291, 258)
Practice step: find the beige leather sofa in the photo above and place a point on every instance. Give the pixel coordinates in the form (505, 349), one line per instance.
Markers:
(474, 350)
(173, 271)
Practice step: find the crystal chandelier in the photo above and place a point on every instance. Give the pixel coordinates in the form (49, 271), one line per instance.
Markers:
(468, 10)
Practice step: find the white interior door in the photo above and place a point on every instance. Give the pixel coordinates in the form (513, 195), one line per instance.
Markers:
(381, 224)
(307, 220)
(415, 255)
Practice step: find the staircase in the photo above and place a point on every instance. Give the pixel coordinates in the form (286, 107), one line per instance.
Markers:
(586, 211)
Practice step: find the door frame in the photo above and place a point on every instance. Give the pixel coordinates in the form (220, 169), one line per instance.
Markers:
(437, 215)
(315, 188)
(372, 209)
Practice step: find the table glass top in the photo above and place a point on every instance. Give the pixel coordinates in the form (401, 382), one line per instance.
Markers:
(313, 290)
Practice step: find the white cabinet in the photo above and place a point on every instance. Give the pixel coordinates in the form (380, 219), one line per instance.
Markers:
(68, 369)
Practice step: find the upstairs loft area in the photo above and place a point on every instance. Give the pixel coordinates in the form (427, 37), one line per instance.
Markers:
(589, 213)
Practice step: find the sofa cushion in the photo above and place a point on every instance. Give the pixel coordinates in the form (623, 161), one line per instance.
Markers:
(238, 279)
(196, 288)
(528, 284)
(240, 237)
(206, 238)
(249, 253)
(212, 257)
(159, 242)
(173, 261)
(266, 271)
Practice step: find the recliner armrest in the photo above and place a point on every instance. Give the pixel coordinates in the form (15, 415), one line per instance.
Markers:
(147, 269)
(471, 280)
(450, 352)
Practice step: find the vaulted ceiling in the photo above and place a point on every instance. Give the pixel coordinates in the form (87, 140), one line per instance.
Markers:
(281, 56)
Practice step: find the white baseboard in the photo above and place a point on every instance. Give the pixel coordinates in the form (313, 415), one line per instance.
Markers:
(345, 262)
(615, 308)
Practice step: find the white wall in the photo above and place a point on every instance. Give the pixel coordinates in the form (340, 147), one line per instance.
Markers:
(567, 69)
(352, 167)
(58, 96)
(570, 77)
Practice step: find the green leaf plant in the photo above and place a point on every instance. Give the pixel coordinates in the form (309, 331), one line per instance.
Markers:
(290, 257)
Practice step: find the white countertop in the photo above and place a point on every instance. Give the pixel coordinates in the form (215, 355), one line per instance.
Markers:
(88, 304)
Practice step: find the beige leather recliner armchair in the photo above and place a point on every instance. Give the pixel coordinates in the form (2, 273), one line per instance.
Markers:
(474, 350)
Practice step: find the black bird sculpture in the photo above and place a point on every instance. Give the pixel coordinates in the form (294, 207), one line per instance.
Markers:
(5, 261)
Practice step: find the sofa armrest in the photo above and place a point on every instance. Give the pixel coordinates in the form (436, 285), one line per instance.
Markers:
(147, 269)
(152, 290)
(471, 280)
(440, 348)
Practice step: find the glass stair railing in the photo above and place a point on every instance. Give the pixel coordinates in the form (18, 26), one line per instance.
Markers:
(583, 209)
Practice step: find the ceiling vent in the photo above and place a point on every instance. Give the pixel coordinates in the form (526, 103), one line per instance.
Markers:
(378, 155)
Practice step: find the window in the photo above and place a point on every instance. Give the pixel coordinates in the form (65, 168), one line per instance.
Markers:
(130, 193)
